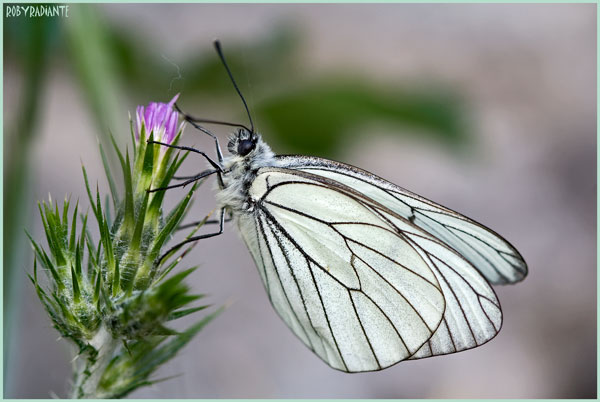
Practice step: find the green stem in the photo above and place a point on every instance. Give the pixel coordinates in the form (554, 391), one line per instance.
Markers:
(89, 372)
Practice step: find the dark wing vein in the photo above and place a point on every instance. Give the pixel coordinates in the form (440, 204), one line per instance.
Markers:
(457, 300)
(293, 275)
(300, 163)
(450, 335)
(431, 258)
(479, 296)
(258, 226)
(399, 293)
(291, 239)
(308, 261)
(346, 239)
(500, 252)
(467, 244)
(332, 226)
(388, 319)
(283, 289)
(363, 328)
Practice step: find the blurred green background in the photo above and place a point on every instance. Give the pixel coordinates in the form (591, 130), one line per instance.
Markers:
(438, 97)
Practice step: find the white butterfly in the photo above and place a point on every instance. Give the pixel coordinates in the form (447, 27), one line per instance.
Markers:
(364, 272)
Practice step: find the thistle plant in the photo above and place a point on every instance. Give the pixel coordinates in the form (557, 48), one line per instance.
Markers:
(112, 299)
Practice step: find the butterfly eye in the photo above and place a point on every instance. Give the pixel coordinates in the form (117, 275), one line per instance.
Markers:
(245, 147)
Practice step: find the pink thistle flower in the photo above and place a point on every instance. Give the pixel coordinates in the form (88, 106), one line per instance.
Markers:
(160, 119)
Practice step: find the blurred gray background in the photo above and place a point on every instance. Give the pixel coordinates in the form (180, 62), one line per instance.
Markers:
(505, 133)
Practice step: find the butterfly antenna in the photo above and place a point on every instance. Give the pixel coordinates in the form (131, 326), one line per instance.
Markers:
(220, 53)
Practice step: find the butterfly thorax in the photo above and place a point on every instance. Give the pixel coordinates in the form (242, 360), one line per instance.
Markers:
(241, 170)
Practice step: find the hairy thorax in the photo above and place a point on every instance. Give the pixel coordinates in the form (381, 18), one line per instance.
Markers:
(239, 173)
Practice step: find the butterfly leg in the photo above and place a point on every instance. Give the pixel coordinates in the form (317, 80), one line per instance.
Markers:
(191, 177)
(183, 148)
(192, 121)
(195, 238)
(185, 183)
(229, 218)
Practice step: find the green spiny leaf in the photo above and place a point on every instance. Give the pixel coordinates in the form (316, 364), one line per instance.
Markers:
(105, 237)
(106, 299)
(160, 174)
(130, 265)
(73, 229)
(116, 148)
(92, 259)
(175, 210)
(177, 278)
(76, 291)
(55, 236)
(63, 309)
(162, 274)
(126, 171)
(78, 268)
(158, 198)
(140, 148)
(50, 231)
(55, 275)
(97, 286)
(160, 355)
(170, 226)
(107, 211)
(128, 218)
(182, 313)
(97, 259)
(132, 133)
(161, 330)
(35, 270)
(137, 234)
(40, 252)
(109, 177)
(82, 241)
(89, 193)
(147, 167)
(65, 216)
(36, 247)
(183, 300)
(116, 280)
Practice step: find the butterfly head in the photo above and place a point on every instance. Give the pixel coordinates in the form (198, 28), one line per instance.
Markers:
(243, 142)
(248, 151)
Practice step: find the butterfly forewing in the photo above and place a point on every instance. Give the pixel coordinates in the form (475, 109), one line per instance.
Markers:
(493, 256)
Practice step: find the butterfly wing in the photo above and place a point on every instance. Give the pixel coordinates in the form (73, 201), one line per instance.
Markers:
(359, 291)
(473, 315)
(493, 256)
